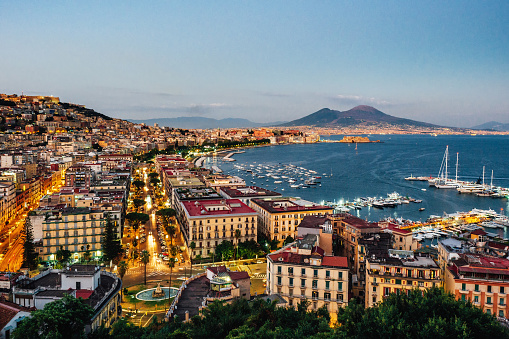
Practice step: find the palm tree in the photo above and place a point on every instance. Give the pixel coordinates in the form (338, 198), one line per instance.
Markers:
(122, 269)
(171, 264)
(145, 258)
(237, 236)
(192, 246)
(171, 230)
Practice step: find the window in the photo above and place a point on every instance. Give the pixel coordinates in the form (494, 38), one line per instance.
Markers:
(502, 290)
(327, 285)
(340, 276)
(476, 287)
(476, 299)
(314, 295)
(290, 270)
(501, 313)
(279, 270)
(501, 301)
(291, 281)
(463, 297)
(488, 300)
(463, 287)
(315, 273)
(340, 286)
(488, 311)
(303, 271)
(302, 282)
(279, 280)
(315, 284)
(398, 281)
(327, 274)
(374, 288)
(78, 285)
(489, 289)
(326, 296)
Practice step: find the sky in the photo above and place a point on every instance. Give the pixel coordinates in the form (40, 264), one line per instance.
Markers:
(442, 62)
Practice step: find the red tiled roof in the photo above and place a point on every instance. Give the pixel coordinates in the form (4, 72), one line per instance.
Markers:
(335, 262)
(7, 311)
(217, 269)
(358, 222)
(238, 275)
(395, 228)
(198, 208)
(84, 294)
(479, 232)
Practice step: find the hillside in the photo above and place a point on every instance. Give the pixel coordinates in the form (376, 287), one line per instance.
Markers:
(359, 115)
(203, 123)
(493, 125)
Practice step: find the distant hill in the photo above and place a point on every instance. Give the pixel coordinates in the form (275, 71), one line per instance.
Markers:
(493, 125)
(359, 115)
(203, 123)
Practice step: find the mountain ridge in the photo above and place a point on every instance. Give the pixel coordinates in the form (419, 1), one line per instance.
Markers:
(203, 123)
(493, 125)
(361, 114)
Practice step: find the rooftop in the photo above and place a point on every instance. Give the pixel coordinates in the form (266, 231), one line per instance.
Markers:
(203, 208)
(285, 205)
(248, 192)
(287, 257)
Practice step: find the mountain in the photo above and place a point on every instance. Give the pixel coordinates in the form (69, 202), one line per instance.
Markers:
(359, 115)
(203, 123)
(493, 125)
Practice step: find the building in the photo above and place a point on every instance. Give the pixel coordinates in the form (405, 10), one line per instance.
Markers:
(301, 271)
(398, 271)
(208, 222)
(218, 181)
(10, 315)
(279, 217)
(246, 193)
(79, 176)
(321, 226)
(482, 280)
(77, 229)
(99, 289)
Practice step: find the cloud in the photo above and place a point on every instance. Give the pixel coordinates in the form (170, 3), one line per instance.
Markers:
(359, 100)
(273, 94)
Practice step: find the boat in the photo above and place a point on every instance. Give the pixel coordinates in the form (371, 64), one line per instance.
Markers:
(278, 182)
(411, 178)
(443, 182)
(421, 209)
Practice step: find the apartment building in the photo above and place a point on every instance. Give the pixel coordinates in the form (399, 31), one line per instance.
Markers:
(98, 289)
(218, 181)
(246, 193)
(208, 222)
(76, 229)
(79, 176)
(482, 280)
(398, 271)
(301, 271)
(280, 216)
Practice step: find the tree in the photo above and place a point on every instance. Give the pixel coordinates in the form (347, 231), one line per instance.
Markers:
(225, 250)
(429, 314)
(136, 219)
(138, 184)
(154, 181)
(237, 236)
(192, 246)
(288, 240)
(166, 214)
(173, 251)
(171, 265)
(145, 259)
(138, 203)
(64, 318)
(153, 175)
(30, 256)
(63, 256)
(87, 255)
(110, 243)
(122, 269)
(171, 230)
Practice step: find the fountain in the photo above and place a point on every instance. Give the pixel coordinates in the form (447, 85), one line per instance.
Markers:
(158, 292)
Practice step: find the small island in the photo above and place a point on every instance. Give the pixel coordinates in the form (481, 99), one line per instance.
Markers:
(354, 139)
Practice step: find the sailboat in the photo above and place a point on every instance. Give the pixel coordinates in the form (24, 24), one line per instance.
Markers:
(443, 181)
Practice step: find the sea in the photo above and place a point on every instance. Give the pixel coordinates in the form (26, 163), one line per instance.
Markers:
(351, 171)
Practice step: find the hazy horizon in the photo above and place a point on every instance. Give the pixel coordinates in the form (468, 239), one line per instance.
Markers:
(436, 62)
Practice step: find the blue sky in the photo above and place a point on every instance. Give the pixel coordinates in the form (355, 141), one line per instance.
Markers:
(444, 62)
